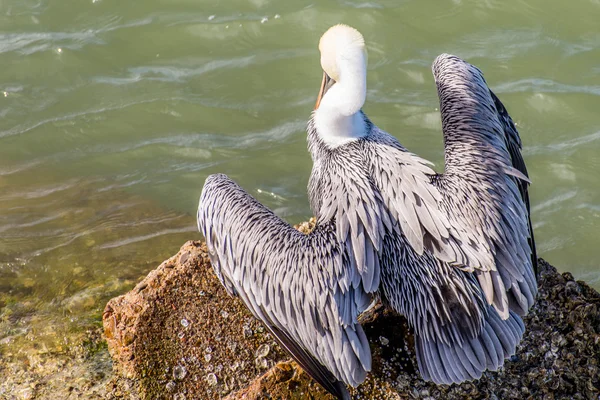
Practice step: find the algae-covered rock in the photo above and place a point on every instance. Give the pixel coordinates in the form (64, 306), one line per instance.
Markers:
(178, 334)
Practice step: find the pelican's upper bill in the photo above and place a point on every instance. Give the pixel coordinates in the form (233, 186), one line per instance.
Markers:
(343, 91)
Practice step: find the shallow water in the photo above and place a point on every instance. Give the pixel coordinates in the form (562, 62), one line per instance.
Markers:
(113, 113)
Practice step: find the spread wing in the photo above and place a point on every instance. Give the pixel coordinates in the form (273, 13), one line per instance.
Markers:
(485, 184)
(476, 214)
(299, 285)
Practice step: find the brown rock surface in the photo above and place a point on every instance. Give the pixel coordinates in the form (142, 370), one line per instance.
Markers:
(179, 332)
(178, 335)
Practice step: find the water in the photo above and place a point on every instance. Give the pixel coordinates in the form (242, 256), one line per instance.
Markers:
(113, 113)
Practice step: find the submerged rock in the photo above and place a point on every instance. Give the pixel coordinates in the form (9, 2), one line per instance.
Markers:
(559, 356)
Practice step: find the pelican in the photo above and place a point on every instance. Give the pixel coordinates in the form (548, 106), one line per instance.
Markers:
(453, 252)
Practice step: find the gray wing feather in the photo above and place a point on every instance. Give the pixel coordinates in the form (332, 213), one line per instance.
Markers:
(300, 286)
(404, 182)
(474, 216)
(445, 364)
(356, 209)
(485, 185)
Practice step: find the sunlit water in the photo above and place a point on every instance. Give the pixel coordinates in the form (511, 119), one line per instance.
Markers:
(112, 114)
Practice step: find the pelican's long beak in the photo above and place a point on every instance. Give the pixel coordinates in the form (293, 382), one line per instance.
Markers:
(325, 85)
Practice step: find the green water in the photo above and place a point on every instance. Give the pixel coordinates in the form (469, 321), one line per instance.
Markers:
(112, 114)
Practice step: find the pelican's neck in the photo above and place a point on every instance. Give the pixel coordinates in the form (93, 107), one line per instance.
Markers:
(338, 119)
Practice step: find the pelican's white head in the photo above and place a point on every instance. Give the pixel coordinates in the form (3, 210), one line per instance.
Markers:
(343, 91)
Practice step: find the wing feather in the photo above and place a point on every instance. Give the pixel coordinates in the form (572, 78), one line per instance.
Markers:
(299, 285)
(475, 215)
(485, 181)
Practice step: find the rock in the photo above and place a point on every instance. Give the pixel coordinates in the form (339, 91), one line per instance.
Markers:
(173, 321)
(559, 356)
(286, 380)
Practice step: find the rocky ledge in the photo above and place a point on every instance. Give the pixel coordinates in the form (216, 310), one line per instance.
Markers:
(179, 335)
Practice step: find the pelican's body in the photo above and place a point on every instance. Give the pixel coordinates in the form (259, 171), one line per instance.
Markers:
(452, 252)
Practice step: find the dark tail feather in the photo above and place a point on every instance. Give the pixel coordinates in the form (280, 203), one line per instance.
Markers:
(513, 145)
(534, 262)
(444, 364)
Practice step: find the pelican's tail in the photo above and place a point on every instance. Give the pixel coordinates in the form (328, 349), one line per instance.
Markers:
(446, 364)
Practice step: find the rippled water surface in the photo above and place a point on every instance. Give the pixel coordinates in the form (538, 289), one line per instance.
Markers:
(112, 114)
